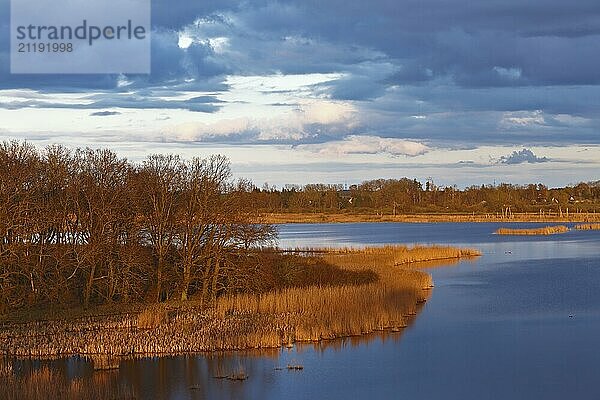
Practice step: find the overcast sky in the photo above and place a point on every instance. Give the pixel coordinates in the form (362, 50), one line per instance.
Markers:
(338, 91)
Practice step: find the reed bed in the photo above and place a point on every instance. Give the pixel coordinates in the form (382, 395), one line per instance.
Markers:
(549, 217)
(245, 321)
(588, 227)
(547, 230)
(377, 257)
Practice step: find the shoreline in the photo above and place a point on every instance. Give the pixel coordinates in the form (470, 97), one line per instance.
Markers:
(309, 218)
(247, 321)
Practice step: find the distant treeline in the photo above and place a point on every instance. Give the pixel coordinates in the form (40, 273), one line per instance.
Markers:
(87, 227)
(403, 196)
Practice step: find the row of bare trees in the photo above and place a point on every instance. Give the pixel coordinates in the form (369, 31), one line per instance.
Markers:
(88, 227)
(395, 196)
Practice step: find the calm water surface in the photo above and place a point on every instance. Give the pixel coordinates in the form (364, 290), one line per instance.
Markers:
(521, 322)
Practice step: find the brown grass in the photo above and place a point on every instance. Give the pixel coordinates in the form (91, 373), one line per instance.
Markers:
(588, 227)
(152, 317)
(376, 257)
(244, 321)
(547, 230)
(316, 313)
(285, 218)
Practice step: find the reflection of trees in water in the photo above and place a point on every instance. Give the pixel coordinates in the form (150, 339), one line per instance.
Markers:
(59, 379)
(194, 376)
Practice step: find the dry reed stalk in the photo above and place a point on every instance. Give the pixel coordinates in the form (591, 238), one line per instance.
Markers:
(287, 218)
(244, 321)
(374, 257)
(588, 227)
(547, 230)
(152, 317)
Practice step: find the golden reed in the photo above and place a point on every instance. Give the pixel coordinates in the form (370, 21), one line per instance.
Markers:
(550, 217)
(588, 227)
(547, 230)
(244, 321)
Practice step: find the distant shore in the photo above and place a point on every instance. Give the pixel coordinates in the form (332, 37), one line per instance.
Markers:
(296, 218)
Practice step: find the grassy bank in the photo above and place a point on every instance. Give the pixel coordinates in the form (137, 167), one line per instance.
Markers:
(242, 321)
(547, 230)
(285, 218)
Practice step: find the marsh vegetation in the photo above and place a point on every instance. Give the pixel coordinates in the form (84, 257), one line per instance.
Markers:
(547, 230)
(587, 227)
(352, 292)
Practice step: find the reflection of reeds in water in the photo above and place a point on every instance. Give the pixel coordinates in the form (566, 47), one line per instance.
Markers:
(588, 227)
(547, 230)
(393, 335)
(236, 374)
(295, 366)
(46, 383)
(243, 321)
(104, 362)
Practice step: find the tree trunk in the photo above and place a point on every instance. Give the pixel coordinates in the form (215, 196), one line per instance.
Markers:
(215, 279)
(205, 285)
(187, 272)
(159, 271)
(88, 286)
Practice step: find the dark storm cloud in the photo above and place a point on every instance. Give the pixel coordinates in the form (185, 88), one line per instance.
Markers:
(445, 70)
(174, 14)
(206, 104)
(460, 38)
(468, 41)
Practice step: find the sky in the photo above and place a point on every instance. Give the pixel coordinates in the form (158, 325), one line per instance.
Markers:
(305, 91)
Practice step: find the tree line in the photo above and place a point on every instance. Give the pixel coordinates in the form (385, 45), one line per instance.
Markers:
(404, 195)
(87, 227)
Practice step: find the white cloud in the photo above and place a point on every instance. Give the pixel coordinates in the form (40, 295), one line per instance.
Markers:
(356, 144)
(523, 156)
(197, 131)
(184, 41)
(219, 44)
(522, 118)
(307, 120)
(568, 119)
(327, 112)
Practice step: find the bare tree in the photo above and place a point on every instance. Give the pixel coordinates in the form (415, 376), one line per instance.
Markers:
(159, 186)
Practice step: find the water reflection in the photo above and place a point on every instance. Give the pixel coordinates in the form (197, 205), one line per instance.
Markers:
(199, 376)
